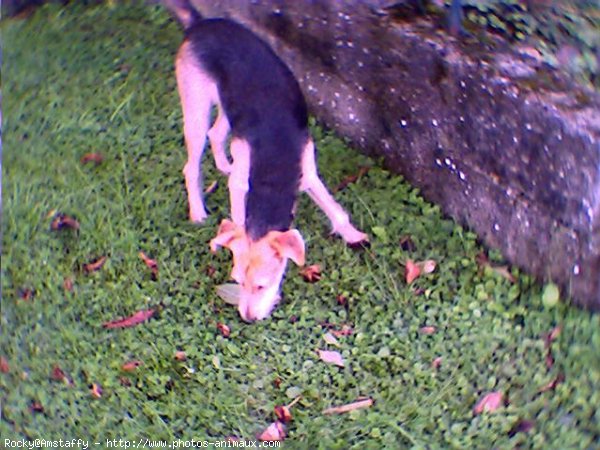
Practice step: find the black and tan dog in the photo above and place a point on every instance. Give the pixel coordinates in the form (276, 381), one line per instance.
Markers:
(259, 102)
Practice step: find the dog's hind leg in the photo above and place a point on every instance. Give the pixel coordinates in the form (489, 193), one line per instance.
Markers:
(198, 92)
(218, 136)
(314, 187)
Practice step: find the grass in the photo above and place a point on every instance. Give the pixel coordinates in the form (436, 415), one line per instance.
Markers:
(80, 80)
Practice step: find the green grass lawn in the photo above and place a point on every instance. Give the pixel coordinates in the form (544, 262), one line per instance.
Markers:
(101, 80)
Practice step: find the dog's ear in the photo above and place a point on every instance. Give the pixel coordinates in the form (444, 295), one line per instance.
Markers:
(228, 231)
(288, 244)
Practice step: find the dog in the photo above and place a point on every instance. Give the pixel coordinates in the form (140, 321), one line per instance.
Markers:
(259, 102)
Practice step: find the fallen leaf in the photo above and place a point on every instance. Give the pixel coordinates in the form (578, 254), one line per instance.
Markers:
(311, 274)
(68, 284)
(212, 187)
(427, 330)
(331, 339)
(96, 390)
(552, 384)
(223, 329)
(522, 426)
(124, 381)
(346, 330)
(482, 259)
(277, 382)
(36, 407)
(283, 413)
(331, 357)
(274, 432)
(150, 263)
(130, 321)
(504, 272)
(210, 271)
(427, 266)
(94, 265)
(551, 337)
(130, 366)
(351, 178)
(62, 221)
(489, 402)
(229, 292)
(95, 158)
(4, 367)
(437, 362)
(180, 355)
(359, 404)
(406, 243)
(342, 300)
(549, 359)
(411, 271)
(26, 294)
(58, 374)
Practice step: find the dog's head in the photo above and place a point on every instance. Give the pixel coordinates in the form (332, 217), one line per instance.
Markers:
(258, 266)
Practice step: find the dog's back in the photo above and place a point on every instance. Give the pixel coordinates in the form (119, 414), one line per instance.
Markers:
(264, 106)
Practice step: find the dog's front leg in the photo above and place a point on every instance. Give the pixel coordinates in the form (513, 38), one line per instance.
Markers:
(238, 180)
(314, 187)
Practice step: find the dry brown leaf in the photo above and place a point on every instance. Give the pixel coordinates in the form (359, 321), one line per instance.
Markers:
(522, 426)
(283, 413)
(489, 402)
(427, 330)
(427, 266)
(411, 271)
(62, 221)
(212, 187)
(180, 355)
(504, 272)
(342, 300)
(58, 374)
(130, 321)
(359, 404)
(346, 330)
(36, 407)
(331, 339)
(274, 432)
(552, 335)
(331, 357)
(437, 362)
(150, 263)
(26, 294)
(406, 243)
(552, 384)
(94, 265)
(95, 158)
(4, 366)
(311, 274)
(223, 329)
(96, 390)
(351, 178)
(68, 284)
(130, 366)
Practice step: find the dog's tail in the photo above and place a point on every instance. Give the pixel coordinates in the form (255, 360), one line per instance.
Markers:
(184, 12)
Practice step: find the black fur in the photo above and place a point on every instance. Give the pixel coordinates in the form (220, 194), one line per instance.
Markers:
(265, 106)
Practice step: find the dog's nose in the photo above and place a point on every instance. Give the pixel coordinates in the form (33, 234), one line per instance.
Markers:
(247, 315)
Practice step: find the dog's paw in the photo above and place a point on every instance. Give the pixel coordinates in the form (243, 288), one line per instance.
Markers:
(198, 216)
(353, 237)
